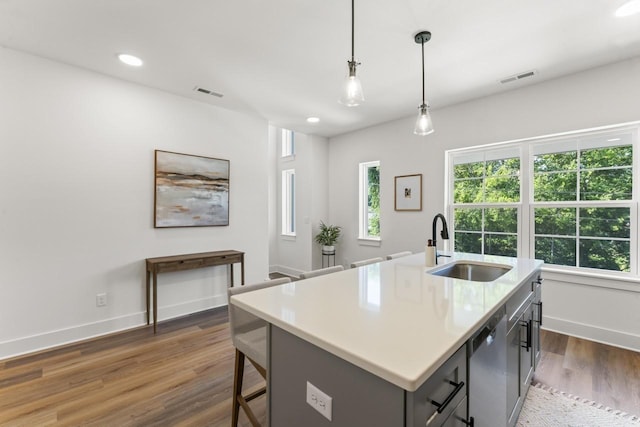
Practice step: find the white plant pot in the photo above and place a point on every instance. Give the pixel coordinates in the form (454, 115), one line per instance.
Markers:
(328, 248)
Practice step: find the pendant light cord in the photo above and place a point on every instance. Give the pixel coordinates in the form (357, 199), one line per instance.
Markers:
(352, 29)
(422, 71)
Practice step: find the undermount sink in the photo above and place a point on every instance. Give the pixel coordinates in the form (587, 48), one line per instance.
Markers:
(472, 270)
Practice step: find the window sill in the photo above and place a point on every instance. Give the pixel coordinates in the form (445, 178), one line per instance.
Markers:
(588, 278)
(289, 158)
(370, 241)
(289, 237)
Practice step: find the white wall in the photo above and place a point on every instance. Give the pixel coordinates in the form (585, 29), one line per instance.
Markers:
(274, 189)
(320, 207)
(602, 96)
(76, 212)
(400, 153)
(294, 255)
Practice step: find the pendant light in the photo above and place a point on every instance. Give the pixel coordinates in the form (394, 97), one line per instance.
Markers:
(629, 8)
(424, 126)
(352, 90)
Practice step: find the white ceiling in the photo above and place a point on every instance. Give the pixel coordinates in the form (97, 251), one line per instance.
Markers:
(286, 59)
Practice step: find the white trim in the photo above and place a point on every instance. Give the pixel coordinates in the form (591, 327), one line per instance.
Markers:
(621, 126)
(87, 331)
(592, 333)
(288, 208)
(371, 241)
(604, 136)
(363, 194)
(589, 277)
(283, 269)
(287, 146)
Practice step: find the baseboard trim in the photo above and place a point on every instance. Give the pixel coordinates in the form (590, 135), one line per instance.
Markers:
(61, 337)
(288, 271)
(592, 333)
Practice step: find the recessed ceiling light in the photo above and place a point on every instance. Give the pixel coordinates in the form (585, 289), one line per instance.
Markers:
(313, 119)
(134, 61)
(629, 8)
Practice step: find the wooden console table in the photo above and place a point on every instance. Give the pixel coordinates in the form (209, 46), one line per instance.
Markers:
(186, 262)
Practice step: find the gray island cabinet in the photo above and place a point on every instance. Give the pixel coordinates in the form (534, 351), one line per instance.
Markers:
(391, 344)
(359, 398)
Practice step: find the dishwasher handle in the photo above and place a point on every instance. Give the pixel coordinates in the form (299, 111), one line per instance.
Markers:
(486, 334)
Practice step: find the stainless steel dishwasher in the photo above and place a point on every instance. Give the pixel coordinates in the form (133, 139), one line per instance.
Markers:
(488, 373)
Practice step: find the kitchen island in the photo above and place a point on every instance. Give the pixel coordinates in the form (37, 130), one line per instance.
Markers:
(371, 336)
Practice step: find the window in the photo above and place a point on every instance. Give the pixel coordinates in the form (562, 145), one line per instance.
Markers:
(288, 143)
(370, 200)
(486, 202)
(578, 207)
(582, 202)
(289, 202)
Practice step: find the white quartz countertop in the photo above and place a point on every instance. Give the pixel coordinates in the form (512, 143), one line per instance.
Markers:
(392, 318)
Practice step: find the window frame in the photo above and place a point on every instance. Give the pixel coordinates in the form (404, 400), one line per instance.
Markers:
(363, 202)
(529, 148)
(580, 141)
(477, 154)
(288, 207)
(287, 143)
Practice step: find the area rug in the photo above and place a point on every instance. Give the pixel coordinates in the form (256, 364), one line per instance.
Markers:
(547, 407)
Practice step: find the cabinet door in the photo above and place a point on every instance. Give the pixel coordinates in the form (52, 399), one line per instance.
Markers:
(537, 322)
(440, 395)
(359, 397)
(526, 349)
(513, 369)
(458, 418)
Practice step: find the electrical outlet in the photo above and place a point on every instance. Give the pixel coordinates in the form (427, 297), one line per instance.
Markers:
(101, 300)
(319, 400)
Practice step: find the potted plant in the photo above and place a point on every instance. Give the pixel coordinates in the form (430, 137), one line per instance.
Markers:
(328, 236)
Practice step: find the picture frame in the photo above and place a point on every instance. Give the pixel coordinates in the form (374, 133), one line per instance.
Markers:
(408, 192)
(190, 190)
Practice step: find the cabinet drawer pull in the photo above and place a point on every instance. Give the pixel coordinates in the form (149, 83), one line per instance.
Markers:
(539, 304)
(443, 405)
(528, 325)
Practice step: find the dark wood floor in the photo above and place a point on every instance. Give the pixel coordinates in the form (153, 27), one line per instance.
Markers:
(183, 377)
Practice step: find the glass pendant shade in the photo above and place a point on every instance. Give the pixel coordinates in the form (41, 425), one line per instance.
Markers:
(352, 90)
(424, 126)
(629, 8)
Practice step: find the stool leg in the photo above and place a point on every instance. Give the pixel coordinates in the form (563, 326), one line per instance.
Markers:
(237, 387)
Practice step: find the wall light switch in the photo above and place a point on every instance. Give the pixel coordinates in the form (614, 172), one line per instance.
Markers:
(319, 400)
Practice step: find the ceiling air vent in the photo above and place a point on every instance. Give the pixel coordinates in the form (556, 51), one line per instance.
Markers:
(207, 91)
(519, 76)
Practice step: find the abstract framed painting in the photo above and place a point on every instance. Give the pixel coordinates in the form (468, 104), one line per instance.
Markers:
(408, 193)
(190, 190)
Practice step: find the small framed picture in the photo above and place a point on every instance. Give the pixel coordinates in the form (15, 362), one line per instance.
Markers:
(408, 191)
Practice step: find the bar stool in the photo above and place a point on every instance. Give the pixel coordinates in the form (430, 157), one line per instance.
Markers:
(399, 255)
(249, 336)
(366, 262)
(321, 271)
